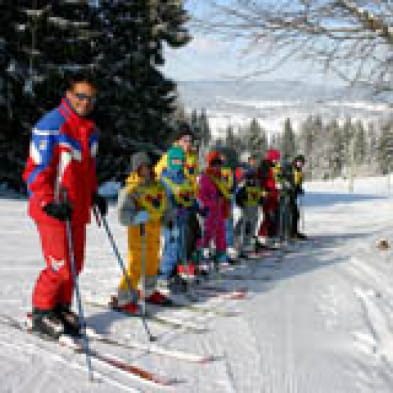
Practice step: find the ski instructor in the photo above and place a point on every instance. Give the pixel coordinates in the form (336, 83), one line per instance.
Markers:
(61, 179)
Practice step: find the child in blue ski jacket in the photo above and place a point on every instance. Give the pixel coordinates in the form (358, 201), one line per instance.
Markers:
(181, 200)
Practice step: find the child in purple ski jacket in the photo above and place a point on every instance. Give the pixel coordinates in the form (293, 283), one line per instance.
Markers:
(215, 198)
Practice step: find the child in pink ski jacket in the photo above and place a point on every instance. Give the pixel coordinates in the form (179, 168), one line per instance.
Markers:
(215, 199)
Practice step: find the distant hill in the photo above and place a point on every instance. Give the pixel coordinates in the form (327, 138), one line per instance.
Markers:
(272, 102)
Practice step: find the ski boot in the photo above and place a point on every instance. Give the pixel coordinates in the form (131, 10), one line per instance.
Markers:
(47, 323)
(70, 320)
(159, 299)
(127, 307)
(177, 284)
(202, 273)
(187, 269)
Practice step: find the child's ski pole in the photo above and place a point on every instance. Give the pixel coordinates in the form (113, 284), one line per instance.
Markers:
(122, 266)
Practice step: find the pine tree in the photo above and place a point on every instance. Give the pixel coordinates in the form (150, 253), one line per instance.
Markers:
(138, 101)
(275, 141)
(348, 132)
(305, 143)
(254, 137)
(230, 138)
(194, 119)
(288, 145)
(372, 144)
(334, 150)
(204, 135)
(385, 148)
(359, 143)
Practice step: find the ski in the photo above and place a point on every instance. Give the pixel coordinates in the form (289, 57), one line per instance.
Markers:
(150, 348)
(76, 346)
(163, 320)
(246, 277)
(178, 305)
(231, 295)
(220, 289)
(99, 376)
(146, 376)
(222, 293)
(208, 310)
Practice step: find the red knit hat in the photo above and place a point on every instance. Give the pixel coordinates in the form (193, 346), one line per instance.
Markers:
(213, 156)
(272, 155)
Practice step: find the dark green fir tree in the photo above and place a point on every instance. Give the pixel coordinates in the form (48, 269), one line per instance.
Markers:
(138, 103)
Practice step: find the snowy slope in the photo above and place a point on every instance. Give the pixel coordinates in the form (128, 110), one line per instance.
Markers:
(235, 103)
(321, 324)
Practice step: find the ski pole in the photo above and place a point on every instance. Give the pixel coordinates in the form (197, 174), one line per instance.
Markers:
(291, 203)
(302, 215)
(288, 218)
(184, 255)
(122, 266)
(82, 321)
(143, 263)
(243, 224)
(281, 218)
(202, 260)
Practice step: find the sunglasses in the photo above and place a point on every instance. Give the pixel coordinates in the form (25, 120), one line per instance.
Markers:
(82, 96)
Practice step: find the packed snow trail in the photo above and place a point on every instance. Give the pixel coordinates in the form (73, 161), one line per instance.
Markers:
(320, 322)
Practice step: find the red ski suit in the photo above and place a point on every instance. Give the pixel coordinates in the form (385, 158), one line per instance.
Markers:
(270, 205)
(214, 223)
(62, 157)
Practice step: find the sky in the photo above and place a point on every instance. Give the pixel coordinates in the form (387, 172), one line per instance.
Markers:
(211, 58)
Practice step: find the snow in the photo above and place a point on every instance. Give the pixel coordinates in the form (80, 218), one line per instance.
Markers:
(322, 322)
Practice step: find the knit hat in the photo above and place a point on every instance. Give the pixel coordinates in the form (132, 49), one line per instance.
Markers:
(182, 129)
(213, 158)
(272, 155)
(300, 157)
(138, 159)
(175, 153)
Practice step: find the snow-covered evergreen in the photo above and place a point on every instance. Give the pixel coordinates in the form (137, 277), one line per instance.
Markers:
(120, 43)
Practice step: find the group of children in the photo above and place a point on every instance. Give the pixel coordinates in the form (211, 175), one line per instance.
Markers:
(179, 218)
(175, 214)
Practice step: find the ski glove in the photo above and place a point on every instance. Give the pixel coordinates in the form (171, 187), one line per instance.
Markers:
(101, 203)
(141, 218)
(59, 210)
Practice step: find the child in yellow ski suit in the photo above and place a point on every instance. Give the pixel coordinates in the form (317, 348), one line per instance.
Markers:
(141, 202)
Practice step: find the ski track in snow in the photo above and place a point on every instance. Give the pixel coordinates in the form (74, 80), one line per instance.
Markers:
(323, 323)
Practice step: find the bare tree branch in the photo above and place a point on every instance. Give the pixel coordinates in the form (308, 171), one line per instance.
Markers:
(352, 38)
